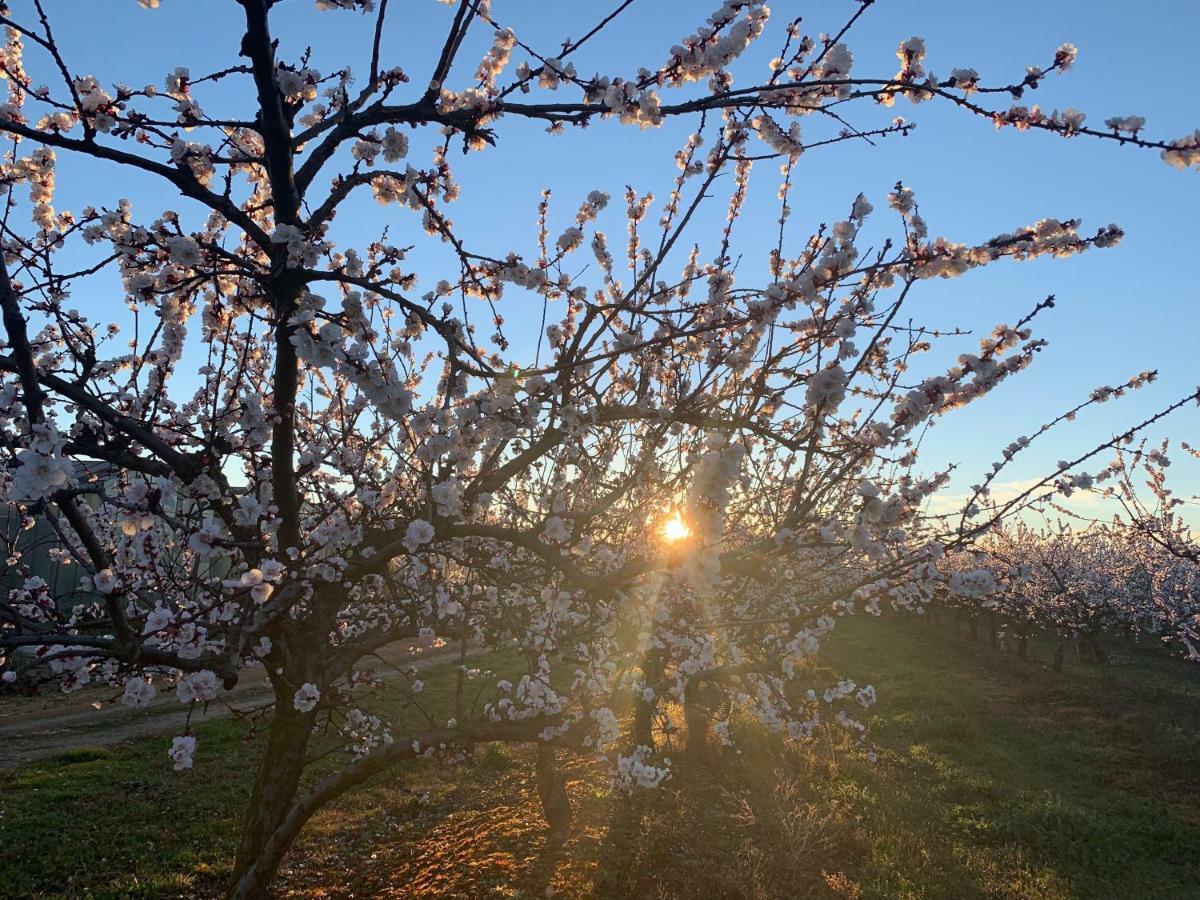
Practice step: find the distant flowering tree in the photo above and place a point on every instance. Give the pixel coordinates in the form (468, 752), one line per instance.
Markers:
(300, 451)
(1145, 577)
(1083, 584)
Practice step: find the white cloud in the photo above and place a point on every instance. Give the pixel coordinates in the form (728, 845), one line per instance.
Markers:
(1087, 504)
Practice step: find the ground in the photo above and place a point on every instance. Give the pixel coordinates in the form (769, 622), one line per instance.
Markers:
(49, 723)
(996, 777)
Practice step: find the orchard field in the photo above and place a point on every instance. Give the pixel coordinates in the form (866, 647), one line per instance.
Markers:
(622, 449)
(995, 777)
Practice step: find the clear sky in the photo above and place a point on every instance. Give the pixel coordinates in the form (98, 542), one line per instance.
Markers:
(1120, 311)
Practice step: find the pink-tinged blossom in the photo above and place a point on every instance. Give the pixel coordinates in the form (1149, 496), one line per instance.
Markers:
(418, 533)
(138, 692)
(181, 752)
(104, 581)
(306, 697)
(38, 475)
(1184, 153)
(1065, 56)
(197, 687)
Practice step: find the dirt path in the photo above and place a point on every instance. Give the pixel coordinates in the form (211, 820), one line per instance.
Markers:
(31, 730)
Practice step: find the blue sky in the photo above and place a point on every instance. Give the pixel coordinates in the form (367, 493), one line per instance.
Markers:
(1120, 311)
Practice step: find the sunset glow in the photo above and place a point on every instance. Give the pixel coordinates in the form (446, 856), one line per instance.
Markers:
(675, 529)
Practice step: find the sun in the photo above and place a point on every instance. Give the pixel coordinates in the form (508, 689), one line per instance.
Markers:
(675, 529)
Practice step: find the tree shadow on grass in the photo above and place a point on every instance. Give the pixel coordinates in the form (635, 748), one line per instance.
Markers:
(1044, 784)
(993, 780)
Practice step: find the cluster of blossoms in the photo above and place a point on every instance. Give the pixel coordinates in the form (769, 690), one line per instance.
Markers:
(349, 463)
(181, 752)
(720, 41)
(1183, 153)
(786, 143)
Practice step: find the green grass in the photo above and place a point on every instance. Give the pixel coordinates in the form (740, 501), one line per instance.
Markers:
(118, 822)
(1001, 778)
(995, 778)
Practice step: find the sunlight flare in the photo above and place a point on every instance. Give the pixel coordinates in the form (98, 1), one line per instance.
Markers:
(675, 529)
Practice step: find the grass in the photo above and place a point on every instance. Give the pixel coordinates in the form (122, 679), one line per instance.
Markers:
(117, 822)
(999, 779)
(995, 778)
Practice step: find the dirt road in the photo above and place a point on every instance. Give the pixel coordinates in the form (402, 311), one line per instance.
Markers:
(34, 728)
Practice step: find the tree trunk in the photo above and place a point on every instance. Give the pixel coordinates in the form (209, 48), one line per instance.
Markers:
(643, 723)
(1023, 646)
(695, 716)
(993, 631)
(643, 710)
(1098, 653)
(1084, 649)
(274, 792)
(1060, 653)
(973, 622)
(1100, 657)
(552, 790)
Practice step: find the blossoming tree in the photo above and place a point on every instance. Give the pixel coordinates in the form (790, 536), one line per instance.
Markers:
(354, 462)
(1134, 574)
